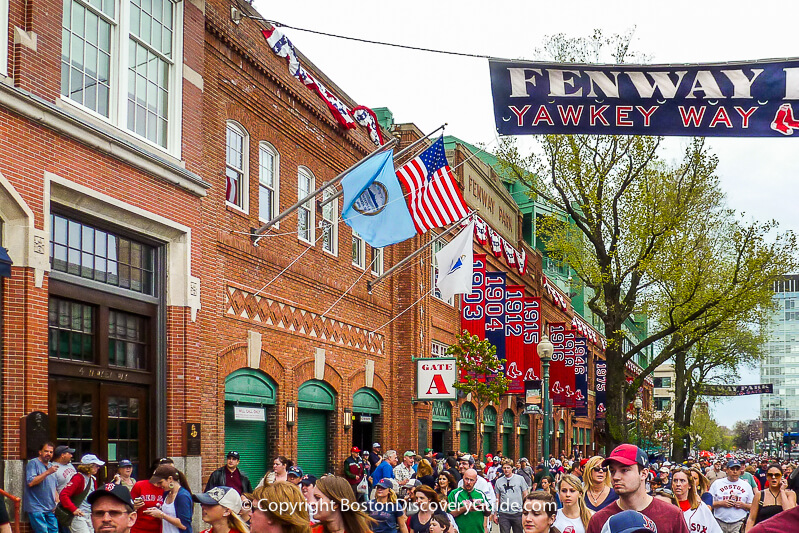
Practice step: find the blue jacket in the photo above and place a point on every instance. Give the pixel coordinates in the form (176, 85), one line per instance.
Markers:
(184, 508)
(383, 470)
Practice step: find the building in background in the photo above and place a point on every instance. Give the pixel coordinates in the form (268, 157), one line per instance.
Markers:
(663, 379)
(780, 411)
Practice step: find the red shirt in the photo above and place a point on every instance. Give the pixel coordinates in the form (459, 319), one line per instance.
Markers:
(668, 518)
(153, 496)
(233, 480)
(685, 505)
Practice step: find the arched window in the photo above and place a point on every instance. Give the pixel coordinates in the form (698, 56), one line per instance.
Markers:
(268, 182)
(237, 143)
(306, 183)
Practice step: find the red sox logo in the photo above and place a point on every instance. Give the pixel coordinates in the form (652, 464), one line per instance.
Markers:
(783, 121)
(109, 487)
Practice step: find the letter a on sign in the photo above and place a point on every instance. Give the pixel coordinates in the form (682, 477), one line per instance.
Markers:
(435, 379)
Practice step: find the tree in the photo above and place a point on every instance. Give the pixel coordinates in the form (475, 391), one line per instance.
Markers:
(482, 373)
(639, 240)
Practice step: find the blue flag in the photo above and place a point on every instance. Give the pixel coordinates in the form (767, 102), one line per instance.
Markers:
(374, 204)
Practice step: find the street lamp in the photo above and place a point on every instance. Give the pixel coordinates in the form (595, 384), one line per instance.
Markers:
(545, 350)
(638, 405)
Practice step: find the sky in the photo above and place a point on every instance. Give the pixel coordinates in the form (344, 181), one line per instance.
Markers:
(429, 89)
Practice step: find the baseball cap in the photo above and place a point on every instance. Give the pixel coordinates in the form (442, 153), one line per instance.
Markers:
(385, 483)
(163, 472)
(630, 521)
(376, 445)
(123, 463)
(427, 450)
(468, 458)
(234, 455)
(294, 471)
(663, 470)
(91, 459)
(61, 450)
(308, 479)
(120, 492)
(225, 496)
(523, 460)
(583, 462)
(733, 463)
(409, 453)
(355, 449)
(628, 454)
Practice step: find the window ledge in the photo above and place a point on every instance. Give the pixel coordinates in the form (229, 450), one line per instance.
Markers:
(70, 124)
(236, 210)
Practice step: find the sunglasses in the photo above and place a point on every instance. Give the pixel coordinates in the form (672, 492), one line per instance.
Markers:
(113, 514)
(600, 469)
(774, 475)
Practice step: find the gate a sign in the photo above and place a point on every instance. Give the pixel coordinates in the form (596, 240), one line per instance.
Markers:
(436, 378)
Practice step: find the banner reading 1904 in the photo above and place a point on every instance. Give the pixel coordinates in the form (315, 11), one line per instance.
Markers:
(749, 99)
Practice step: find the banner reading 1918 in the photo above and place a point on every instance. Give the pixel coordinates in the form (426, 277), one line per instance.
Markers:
(747, 99)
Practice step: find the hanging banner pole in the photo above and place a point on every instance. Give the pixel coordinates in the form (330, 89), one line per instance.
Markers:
(396, 156)
(258, 233)
(455, 225)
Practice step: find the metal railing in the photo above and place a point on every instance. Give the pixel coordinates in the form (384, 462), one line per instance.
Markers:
(16, 501)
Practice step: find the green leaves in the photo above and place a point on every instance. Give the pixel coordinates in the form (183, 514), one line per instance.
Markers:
(483, 374)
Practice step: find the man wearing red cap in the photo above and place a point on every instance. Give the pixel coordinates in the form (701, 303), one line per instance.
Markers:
(628, 470)
(354, 470)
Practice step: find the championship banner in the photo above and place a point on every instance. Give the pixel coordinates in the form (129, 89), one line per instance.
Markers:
(581, 376)
(557, 368)
(473, 304)
(514, 338)
(736, 390)
(601, 388)
(569, 381)
(495, 311)
(745, 99)
(532, 335)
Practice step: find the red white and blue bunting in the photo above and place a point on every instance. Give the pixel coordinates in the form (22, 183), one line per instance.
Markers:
(555, 294)
(485, 234)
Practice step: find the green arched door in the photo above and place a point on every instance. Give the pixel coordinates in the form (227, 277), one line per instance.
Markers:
(524, 431)
(249, 397)
(367, 407)
(468, 422)
(507, 431)
(489, 429)
(315, 400)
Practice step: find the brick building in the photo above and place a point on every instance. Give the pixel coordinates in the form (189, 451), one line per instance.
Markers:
(140, 316)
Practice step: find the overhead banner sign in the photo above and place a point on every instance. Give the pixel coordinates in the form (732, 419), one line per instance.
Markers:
(747, 99)
(435, 379)
(736, 390)
(601, 388)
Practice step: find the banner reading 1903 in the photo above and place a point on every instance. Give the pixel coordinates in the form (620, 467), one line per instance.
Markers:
(748, 99)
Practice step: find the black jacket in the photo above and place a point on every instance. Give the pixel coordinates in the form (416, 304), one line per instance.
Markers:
(217, 479)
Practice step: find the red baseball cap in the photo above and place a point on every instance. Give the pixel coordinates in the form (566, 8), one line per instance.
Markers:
(355, 449)
(583, 462)
(628, 454)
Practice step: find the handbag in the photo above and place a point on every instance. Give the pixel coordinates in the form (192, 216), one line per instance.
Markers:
(65, 517)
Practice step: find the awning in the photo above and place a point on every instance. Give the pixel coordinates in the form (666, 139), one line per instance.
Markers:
(5, 263)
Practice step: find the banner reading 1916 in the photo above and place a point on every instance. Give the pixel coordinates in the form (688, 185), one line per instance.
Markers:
(748, 99)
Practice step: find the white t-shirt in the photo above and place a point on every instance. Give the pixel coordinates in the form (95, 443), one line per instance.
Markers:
(564, 524)
(724, 489)
(701, 520)
(63, 475)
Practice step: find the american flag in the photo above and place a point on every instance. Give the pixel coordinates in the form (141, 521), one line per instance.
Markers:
(435, 200)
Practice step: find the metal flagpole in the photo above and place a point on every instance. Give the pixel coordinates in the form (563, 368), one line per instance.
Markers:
(372, 283)
(396, 156)
(258, 233)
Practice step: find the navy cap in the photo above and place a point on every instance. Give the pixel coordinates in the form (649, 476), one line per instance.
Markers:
(308, 479)
(234, 455)
(120, 492)
(630, 521)
(294, 471)
(385, 483)
(62, 449)
(733, 463)
(123, 463)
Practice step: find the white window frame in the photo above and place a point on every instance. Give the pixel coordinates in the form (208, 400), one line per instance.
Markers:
(330, 219)
(309, 206)
(438, 349)
(377, 261)
(244, 187)
(264, 146)
(360, 245)
(436, 247)
(4, 42)
(120, 48)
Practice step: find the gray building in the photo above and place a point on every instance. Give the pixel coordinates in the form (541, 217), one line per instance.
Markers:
(780, 411)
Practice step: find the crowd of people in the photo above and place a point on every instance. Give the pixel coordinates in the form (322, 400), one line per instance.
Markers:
(431, 492)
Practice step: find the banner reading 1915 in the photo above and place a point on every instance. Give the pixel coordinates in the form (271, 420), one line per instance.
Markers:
(748, 99)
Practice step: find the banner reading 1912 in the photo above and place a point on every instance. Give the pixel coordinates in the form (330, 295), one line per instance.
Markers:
(748, 99)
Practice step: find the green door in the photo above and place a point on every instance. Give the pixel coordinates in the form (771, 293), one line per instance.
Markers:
(465, 438)
(522, 446)
(249, 439)
(312, 441)
(506, 444)
(488, 438)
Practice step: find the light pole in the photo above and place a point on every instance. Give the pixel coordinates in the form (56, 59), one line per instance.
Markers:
(545, 350)
(638, 405)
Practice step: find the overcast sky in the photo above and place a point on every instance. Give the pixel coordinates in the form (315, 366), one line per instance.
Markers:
(429, 89)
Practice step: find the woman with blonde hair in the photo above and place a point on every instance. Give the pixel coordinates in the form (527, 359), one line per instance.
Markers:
(574, 513)
(220, 509)
(702, 484)
(697, 515)
(598, 493)
(73, 497)
(385, 511)
(335, 508)
(281, 508)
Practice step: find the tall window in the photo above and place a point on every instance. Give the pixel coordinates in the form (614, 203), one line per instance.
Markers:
(305, 214)
(437, 246)
(268, 197)
(236, 149)
(377, 261)
(3, 37)
(330, 223)
(358, 251)
(118, 61)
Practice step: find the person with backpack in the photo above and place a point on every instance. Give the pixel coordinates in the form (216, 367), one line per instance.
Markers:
(74, 510)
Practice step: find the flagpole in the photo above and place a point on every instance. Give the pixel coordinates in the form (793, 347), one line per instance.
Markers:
(258, 233)
(372, 283)
(396, 156)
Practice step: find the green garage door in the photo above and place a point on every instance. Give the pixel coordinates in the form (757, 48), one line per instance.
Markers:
(315, 401)
(468, 421)
(465, 438)
(249, 439)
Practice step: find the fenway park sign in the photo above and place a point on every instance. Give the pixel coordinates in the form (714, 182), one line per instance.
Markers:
(752, 99)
